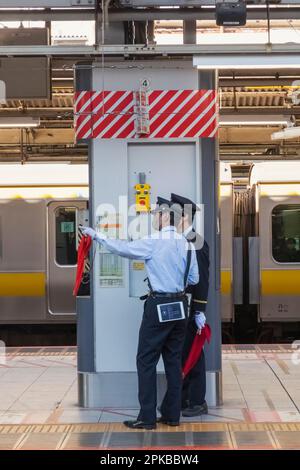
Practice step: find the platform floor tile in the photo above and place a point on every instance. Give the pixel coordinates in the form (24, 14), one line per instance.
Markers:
(107, 436)
(84, 440)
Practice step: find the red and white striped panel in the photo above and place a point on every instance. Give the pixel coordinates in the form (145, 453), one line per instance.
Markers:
(172, 114)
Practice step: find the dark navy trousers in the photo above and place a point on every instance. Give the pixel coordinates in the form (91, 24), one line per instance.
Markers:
(160, 339)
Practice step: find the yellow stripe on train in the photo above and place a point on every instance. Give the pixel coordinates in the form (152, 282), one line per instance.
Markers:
(225, 282)
(22, 284)
(280, 282)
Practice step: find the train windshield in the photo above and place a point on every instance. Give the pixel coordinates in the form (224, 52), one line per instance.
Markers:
(65, 218)
(286, 233)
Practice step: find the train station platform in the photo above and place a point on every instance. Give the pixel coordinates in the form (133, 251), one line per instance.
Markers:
(261, 409)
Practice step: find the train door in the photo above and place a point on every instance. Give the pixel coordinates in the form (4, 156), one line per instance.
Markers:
(62, 255)
(279, 234)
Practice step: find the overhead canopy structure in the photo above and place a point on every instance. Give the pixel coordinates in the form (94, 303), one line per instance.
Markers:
(254, 79)
(139, 10)
(253, 61)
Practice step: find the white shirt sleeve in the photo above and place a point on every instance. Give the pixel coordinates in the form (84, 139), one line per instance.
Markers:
(136, 249)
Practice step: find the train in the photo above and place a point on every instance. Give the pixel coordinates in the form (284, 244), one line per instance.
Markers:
(41, 207)
(260, 252)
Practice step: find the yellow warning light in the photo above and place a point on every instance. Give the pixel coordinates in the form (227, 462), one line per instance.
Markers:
(142, 197)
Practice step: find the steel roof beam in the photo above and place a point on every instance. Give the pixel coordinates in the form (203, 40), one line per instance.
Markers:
(39, 112)
(182, 3)
(253, 110)
(50, 113)
(225, 157)
(252, 82)
(76, 14)
(46, 3)
(126, 3)
(153, 50)
(116, 15)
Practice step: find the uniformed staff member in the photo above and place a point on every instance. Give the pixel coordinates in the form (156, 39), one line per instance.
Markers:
(170, 267)
(194, 385)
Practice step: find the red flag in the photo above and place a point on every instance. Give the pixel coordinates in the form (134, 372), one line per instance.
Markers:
(196, 349)
(82, 254)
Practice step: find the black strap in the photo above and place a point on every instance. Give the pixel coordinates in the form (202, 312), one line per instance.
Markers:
(149, 284)
(187, 270)
(188, 265)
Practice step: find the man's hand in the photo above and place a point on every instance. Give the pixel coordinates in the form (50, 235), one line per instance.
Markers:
(200, 321)
(89, 232)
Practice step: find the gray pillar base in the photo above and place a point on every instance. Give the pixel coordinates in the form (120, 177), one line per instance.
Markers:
(214, 395)
(119, 389)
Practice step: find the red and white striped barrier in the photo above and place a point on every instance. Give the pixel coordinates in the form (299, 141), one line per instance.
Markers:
(172, 114)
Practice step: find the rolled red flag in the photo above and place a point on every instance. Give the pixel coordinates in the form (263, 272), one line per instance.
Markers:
(82, 254)
(196, 349)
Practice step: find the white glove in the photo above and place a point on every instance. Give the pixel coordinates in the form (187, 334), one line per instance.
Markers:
(200, 320)
(88, 231)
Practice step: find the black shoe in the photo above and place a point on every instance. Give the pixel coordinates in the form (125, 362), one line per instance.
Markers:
(167, 422)
(196, 410)
(137, 424)
(184, 405)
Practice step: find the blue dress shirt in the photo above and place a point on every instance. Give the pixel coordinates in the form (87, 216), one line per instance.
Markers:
(165, 256)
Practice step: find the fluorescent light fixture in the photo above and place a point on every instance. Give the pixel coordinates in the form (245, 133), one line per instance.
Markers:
(288, 133)
(247, 61)
(246, 120)
(18, 122)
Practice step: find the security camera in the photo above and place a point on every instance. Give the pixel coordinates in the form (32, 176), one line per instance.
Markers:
(231, 13)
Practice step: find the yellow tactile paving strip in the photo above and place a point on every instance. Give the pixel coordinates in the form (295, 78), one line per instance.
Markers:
(273, 436)
(227, 349)
(40, 351)
(119, 427)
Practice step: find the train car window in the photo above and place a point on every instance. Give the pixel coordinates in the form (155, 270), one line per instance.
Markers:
(286, 233)
(65, 227)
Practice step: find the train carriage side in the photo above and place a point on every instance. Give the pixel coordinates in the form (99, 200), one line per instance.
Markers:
(23, 261)
(38, 243)
(279, 251)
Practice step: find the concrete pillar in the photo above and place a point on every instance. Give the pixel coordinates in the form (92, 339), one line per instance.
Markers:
(84, 305)
(189, 32)
(210, 199)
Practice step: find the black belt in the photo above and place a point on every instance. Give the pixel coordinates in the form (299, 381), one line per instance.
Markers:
(168, 295)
